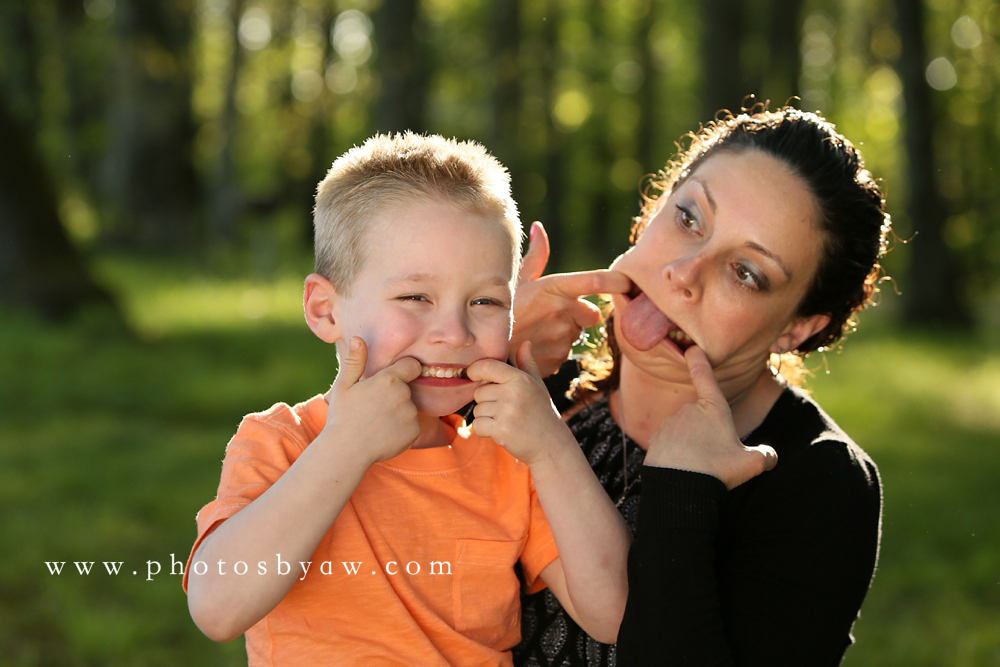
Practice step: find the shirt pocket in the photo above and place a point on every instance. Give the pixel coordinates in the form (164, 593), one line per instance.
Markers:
(487, 601)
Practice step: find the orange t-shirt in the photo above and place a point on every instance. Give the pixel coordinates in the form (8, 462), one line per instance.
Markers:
(418, 568)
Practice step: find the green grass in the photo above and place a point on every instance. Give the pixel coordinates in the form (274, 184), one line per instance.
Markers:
(110, 443)
(927, 408)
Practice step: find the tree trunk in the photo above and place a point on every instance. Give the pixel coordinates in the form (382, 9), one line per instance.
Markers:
(784, 67)
(553, 156)
(150, 179)
(932, 293)
(647, 94)
(505, 31)
(321, 137)
(226, 199)
(402, 67)
(723, 86)
(40, 269)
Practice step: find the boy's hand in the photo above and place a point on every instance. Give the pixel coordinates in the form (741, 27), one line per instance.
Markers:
(514, 408)
(376, 412)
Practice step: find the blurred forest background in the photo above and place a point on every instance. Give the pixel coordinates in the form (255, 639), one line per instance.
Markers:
(157, 165)
(197, 127)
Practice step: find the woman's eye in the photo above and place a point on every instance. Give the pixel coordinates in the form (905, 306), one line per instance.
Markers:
(685, 219)
(746, 277)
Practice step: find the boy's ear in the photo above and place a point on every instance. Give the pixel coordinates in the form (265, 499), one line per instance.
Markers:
(319, 301)
(798, 331)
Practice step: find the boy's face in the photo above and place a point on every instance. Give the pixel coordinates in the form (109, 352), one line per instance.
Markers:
(436, 286)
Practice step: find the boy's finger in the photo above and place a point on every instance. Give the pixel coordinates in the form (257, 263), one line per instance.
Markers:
(406, 369)
(353, 365)
(485, 408)
(534, 261)
(483, 426)
(488, 370)
(586, 283)
(702, 376)
(526, 361)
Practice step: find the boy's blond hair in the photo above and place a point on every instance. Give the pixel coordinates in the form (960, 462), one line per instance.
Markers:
(395, 170)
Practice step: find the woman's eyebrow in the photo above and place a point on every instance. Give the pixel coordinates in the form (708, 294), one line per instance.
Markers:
(708, 193)
(750, 244)
(770, 255)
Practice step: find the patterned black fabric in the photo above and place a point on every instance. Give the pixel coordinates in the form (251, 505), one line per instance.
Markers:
(549, 635)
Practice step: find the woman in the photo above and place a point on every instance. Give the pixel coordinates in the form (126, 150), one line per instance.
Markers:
(756, 519)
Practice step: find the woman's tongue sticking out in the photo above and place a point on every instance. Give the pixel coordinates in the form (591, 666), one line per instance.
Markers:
(642, 323)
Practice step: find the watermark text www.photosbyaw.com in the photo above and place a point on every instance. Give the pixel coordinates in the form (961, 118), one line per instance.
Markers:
(154, 568)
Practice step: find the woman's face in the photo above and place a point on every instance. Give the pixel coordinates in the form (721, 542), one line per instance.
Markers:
(723, 265)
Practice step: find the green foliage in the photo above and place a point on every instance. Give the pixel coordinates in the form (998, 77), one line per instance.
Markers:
(109, 444)
(597, 93)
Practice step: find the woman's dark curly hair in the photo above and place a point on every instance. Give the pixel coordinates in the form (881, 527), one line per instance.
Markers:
(851, 208)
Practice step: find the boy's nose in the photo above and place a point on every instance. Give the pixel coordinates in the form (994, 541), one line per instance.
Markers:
(453, 329)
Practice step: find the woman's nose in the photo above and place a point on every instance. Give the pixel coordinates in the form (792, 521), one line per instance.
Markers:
(684, 274)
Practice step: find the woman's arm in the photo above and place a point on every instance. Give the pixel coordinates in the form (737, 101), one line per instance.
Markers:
(775, 579)
(779, 581)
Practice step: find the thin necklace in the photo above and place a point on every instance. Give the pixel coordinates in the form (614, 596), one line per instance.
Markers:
(621, 428)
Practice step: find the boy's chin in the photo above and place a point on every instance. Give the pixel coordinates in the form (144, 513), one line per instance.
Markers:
(439, 406)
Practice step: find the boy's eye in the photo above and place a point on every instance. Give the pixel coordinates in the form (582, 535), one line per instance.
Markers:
(486, 301)
(413, 297)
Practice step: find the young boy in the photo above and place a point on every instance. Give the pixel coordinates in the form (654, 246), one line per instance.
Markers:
(368, 525)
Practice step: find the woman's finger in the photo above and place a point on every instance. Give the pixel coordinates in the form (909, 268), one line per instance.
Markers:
(702, 376)
(588, 283)
(768, 458)
(526, 361)
(534, 261)
(584, 314)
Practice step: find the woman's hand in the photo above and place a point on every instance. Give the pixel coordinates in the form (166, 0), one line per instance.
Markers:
(550, 312)
(701, 436)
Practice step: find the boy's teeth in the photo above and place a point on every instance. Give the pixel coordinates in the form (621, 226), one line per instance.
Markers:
(440, 372)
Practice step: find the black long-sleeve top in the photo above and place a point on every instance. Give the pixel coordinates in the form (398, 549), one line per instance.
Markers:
(770, 573)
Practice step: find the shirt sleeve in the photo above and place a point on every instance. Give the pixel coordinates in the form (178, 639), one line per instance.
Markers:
(260, 452)
(777, 581)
